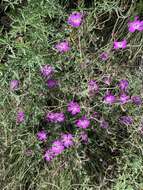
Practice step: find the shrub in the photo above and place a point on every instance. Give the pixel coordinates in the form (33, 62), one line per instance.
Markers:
(71, 99)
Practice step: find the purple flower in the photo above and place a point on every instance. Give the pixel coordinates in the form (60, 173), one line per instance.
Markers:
(123, 84)
(104, 124)
(109, 98)
(107, 80)
(20, 117)
(14, 84)
(59, 117)
(135, 25)
(57, 147)
(122, 44)
(47, 71)
(84, 137)
(83, 122)
(63, 47)
(73, 108)
(42, 135)
(75, 19)
(126, 120)
(67, 140)
(93, 86)
(104, 56)
(51, 83)
(124, 98)
(136, 100)
(48, 155)
(55, 117)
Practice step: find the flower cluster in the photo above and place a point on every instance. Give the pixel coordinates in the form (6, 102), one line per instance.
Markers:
(74, 20)
(123, 98)
(82, 121)
(58, 146)
(47, 71)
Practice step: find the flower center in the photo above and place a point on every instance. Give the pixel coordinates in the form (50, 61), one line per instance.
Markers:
(120, 44)
(76, 20)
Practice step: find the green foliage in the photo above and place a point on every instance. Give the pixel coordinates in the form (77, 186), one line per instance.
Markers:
(139, 7)
(36, 27)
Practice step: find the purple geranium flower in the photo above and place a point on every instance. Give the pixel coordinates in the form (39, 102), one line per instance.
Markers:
(51, 83)
(124, 98)
(126, 120)
(63, 47)
(42, 135)
(59, 117)
(57, 147)
(47, 71)
(122, 44)
(48, 155)
(109, 98)
(93, 86)
(73, 108)
(20, 117)
(83, 122)
(123, 84)
(14, 84)
(136, 100)
(104, 56)
(55, 117)
(75, 19)
(67, 140)
(135, 25)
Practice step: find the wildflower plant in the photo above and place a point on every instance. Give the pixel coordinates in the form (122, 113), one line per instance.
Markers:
(71, 95)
